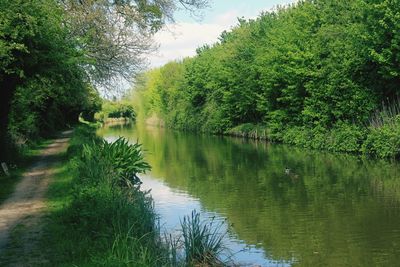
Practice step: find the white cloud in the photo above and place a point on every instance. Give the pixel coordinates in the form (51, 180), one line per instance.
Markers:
(180, 40)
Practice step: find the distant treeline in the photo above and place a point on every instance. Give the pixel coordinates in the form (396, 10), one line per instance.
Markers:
(114, 110)
(319, 73)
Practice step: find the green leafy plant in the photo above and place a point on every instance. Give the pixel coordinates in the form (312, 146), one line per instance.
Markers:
(124, 160)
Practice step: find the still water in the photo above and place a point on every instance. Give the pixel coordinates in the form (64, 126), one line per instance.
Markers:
(285, 206)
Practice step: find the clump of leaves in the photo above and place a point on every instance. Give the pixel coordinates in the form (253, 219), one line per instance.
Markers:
(124, 160)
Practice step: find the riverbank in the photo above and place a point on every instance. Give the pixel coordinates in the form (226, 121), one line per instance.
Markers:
(92, 220)
(286, 73)
(99, 216)
(377, 141)
(279, 199)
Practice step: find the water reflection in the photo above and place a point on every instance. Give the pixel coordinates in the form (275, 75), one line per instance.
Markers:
(328, 210)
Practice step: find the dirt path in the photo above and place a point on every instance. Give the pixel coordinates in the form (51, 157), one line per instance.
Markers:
(22, 211)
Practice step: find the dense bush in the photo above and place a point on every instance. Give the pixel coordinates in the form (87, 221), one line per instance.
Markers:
(383, 138)
(341, 138)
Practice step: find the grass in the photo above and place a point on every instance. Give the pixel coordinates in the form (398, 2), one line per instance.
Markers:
(249, 130)
(18, 166)
(93, 220)
(96, 229)
(202, 241)
(387, 116)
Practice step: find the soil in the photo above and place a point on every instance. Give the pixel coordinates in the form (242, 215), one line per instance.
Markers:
(21, 214)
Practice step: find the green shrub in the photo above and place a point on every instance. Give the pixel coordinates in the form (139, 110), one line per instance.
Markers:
(346, 138)
(121, 162)
(383, 142)
(115, 110)
(299, 136)
(341, 138)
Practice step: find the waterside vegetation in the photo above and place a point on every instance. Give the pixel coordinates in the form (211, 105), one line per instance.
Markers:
(317, 74)
(114, 110)
(100, 216)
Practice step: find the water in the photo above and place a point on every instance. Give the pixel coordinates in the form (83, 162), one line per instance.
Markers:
(324, 210)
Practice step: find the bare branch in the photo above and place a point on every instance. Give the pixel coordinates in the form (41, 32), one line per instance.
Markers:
(114, 35)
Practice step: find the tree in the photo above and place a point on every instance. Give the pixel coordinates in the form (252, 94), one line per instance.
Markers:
(115, 35)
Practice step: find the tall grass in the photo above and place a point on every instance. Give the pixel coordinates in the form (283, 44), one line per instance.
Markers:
(249, 130)
(387, 115)
(203, 242)
(383, 138)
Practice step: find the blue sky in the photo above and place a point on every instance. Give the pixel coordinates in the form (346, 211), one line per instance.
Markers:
(218, 7)
(181, 39)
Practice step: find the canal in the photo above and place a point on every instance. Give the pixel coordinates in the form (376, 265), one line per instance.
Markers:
(283, 206)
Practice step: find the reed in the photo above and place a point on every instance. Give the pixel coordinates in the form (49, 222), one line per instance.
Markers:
(203, 242)
(387, 115)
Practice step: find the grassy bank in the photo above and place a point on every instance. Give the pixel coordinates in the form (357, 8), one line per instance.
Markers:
(99, 216)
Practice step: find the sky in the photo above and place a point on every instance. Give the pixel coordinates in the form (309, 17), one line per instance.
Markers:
(180, 39)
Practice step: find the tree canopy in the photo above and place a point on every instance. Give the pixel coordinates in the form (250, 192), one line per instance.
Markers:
(305, 69)
(54, 53)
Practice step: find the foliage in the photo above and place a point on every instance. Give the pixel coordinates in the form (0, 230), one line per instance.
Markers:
(92, 104)
(342, 138)
(119, 109)
(313, 73)
(114, 35)
(43, 86)
(383, 142)
(53, 54)
(122, 162)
